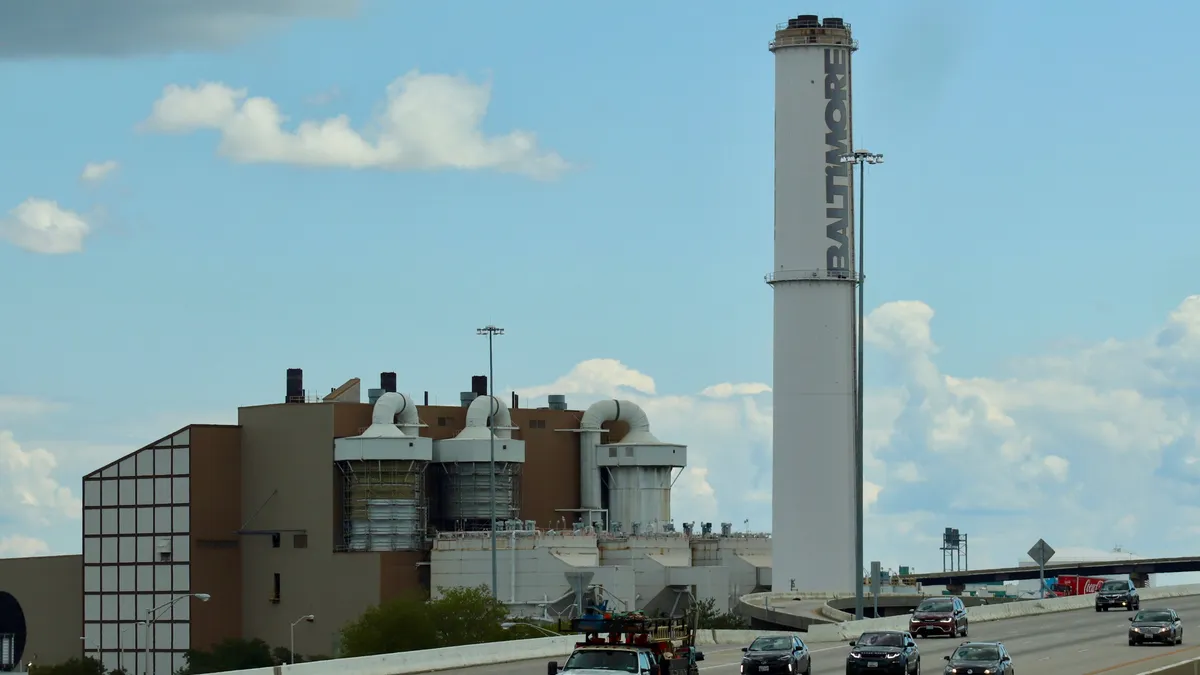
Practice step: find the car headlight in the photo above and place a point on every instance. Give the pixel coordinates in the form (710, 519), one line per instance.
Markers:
(944, 620)
(855, 655)
(893, 656)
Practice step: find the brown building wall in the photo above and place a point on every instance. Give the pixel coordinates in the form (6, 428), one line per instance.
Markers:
(288, 480)
(49, 590)
(216, 472)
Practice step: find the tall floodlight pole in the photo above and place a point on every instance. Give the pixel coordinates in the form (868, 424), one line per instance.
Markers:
(862, 158)
(491, 332)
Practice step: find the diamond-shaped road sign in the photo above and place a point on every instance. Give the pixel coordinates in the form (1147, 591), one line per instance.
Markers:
(1041, 552)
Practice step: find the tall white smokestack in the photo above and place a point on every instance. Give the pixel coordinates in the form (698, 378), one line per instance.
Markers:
(813, 516)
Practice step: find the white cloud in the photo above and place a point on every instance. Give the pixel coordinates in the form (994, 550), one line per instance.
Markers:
(94, 172)
(426, 122)
(26, 406)
(82, 28)
(32, 493)
(42, 226)
(1054, 448)
(19, 546)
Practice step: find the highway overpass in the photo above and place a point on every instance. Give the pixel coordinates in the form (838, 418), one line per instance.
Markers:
(1113, 567)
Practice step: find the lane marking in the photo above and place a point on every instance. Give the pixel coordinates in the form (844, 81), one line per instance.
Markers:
(1142, 660)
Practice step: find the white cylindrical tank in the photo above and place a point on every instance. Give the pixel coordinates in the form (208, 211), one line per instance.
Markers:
(814, 280)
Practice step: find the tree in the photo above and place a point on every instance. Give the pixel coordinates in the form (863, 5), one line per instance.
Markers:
(468, 616)
(73, 666)
(709, 617)
(461, 616)
(229, 654)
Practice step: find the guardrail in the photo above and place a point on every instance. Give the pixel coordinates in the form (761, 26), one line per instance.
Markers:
(466, 656)
(1189, 667)
(850, 630)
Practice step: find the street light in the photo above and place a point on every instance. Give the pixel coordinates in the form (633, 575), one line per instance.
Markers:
(121, 645)
(509, 624)
(292, 650)
(152, 614)
(862, 158)
(491, 332)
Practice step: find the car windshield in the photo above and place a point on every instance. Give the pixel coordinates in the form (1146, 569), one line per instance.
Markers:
(1114, 586)
(976, 653)
(880, 640)
(771, 644)
(936, 606)
(603, 659)
(1152, 616)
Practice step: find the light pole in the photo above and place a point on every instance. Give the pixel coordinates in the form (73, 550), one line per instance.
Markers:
(84, 640)
(491, 332)
(152, 614)
(292, 649)
(121, 646)
(862, 158)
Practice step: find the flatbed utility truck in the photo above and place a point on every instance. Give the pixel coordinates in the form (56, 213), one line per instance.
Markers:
(631, 642)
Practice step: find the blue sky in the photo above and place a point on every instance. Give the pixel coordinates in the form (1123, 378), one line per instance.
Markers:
(1035, 196)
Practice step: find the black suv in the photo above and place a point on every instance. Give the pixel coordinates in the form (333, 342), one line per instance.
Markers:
(777, 655)
(884, 651)
(1118, 593)
(983, 657)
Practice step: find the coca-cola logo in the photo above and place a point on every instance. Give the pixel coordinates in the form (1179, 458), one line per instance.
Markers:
(1093, 585)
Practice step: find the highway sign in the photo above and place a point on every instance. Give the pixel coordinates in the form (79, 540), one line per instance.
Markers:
(1041, 552)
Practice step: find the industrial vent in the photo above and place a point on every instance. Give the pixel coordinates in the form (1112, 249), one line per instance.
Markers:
(557, 401)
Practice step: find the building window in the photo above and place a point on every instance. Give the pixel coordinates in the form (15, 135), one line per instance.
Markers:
(275, 595)
(537, 424)
(443, 421)
(299, 541)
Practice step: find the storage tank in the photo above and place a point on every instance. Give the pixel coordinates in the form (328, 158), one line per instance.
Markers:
(384, 505)
(464, 469)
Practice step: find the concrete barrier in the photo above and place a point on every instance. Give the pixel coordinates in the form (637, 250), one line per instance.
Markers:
(850, 630)
(1189, 667)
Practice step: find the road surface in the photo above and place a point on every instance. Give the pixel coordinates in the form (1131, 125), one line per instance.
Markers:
(1080, 642)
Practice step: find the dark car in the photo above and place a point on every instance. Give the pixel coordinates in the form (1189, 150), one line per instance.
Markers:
(884, 651)
(939, 616)
(980, 658)
(1156, 625)
(777, 654)
(1118, 593)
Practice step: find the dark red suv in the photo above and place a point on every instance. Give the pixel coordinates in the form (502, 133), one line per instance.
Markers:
(939, 616)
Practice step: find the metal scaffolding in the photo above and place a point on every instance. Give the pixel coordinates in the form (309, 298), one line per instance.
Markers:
(383, 505)
(464, 491)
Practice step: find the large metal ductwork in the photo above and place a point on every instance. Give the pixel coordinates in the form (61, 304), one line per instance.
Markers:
(465, 468)
(636, 470)
(384, 505)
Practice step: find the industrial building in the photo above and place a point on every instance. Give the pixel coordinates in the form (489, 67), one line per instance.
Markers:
(326, 505)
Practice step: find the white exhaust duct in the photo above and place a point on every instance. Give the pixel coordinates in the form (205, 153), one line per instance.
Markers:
(384, 422)
(477, 418)
(638, 466)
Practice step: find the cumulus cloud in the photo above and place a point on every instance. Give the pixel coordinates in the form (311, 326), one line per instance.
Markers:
(426, 122)
(32, 493)
(42, 226)
(1054, 447)
(19, 546)
(83, 28)
(26, 406)
(94, 172)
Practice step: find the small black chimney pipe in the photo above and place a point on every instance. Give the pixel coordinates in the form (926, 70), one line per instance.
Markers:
(426, 398)
(387, 382)
(516, 401)
(295, 386)
(479, 385)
